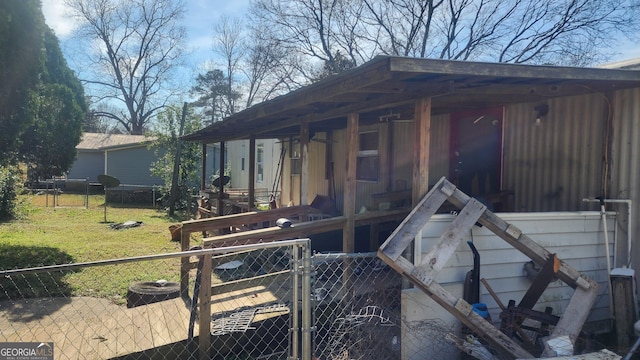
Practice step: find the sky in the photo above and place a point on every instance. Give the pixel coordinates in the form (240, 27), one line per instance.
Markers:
(199, 20)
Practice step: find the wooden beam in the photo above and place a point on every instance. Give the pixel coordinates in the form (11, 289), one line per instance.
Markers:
(421, 145)
(220, 206)
(203, 177)
(275, 233)
(435, 260)
(237, 220)
(350, 186)
(304, 164)
(204, 299)
(406, 232)
(252, 172)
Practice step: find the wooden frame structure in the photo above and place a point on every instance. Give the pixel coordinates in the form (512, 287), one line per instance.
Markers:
(424, 273)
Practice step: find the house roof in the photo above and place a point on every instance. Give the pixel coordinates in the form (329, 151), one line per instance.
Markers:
(100, 142)
(388, 84)
(629, 64)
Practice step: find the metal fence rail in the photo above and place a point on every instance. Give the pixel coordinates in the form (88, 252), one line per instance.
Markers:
(265, 301)
(112, 310)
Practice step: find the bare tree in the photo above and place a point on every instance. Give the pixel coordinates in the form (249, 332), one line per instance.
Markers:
(314, 28)
(229, 43)
(134, 47)
(568, 32)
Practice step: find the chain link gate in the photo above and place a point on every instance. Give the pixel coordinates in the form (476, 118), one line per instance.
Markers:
(257, 309)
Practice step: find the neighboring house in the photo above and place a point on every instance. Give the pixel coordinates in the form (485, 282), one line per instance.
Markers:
(268, 154)
(532, 140)
(125, 157)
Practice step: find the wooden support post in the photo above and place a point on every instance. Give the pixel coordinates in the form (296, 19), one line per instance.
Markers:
(221, 190)
(349, 210)
(421, 145)
(304, 163)
(203, 180)
(252, 173)
(204, 299)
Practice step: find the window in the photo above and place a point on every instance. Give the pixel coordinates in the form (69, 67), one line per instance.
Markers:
(260, 163)
(368, 162)
(296, 164)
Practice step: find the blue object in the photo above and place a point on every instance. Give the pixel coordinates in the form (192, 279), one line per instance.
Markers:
(481, 309)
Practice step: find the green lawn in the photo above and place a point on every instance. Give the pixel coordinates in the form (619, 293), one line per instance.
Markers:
(64, 235)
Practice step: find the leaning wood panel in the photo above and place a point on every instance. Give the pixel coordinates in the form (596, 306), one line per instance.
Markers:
(411, 225)
(518, 240)
(460, 309)
(570, 323)
(435, 260)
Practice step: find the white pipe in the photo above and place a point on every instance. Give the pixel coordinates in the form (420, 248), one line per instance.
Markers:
(629, 221)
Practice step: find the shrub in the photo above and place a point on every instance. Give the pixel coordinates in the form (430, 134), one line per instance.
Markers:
(9, 181)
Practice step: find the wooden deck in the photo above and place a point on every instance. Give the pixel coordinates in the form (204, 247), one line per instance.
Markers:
(92, 328)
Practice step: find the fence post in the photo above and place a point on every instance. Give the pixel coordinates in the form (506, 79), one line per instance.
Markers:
(306, 301)
(295, 277)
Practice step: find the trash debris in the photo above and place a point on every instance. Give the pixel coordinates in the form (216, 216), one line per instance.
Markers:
(125, 225)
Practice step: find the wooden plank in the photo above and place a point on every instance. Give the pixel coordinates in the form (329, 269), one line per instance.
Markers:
(204, 298)
(435, 260)
(304, 164)
(142, 334)
(460, 309)
(520, 241)
(107, 346)
(576, 313)
(277, 233)
(406, 232)
(159, 331)
(176, 319)
(350, 183)
(421, 148)
(125, 331)
(253, 217)
(540, 283)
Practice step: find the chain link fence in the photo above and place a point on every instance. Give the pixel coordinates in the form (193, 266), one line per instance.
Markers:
(267, 301)
(134, 308)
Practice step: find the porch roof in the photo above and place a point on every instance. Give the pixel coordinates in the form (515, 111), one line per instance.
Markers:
(390, 85)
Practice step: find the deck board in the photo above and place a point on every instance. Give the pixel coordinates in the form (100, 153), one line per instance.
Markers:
(88, 328)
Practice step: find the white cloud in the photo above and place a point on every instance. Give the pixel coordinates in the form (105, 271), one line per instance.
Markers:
(54, 14)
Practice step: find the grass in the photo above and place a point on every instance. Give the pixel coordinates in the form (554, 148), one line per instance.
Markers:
(47, 236)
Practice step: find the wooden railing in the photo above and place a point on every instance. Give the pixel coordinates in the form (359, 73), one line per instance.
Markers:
(259, 226)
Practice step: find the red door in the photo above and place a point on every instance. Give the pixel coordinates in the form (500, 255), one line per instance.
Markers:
(476, 151)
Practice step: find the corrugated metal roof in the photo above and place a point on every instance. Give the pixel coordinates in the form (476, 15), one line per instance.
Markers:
(95, 141)
(388, 82)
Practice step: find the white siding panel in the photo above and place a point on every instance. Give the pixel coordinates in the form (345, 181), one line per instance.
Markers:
(576, 238)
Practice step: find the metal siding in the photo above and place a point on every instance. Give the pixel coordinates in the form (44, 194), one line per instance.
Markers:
(403, 137)
(88, 165)
(625, 167)
(132, 166)
(554, 165)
